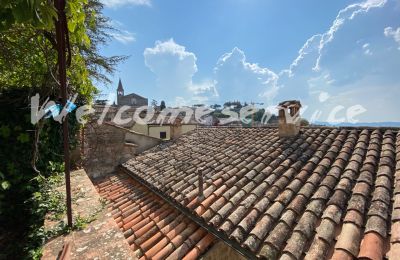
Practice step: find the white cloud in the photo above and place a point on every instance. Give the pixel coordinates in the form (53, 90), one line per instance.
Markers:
(119, 3)
(330, 69)
(309, 46)
(395, 34)
(241, 59)
(170, 48)
(378, 105)
(366, 49)
(305, 79)
(239, 79)
(323, 96)
(120, 34)
(333, 68)
(124, 36)
(348, 13)
(175, 67)
(207, 86)
(323, 80)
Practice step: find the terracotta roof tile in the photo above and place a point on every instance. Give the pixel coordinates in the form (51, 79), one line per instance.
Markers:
(187, 245)
(324, 193)
(318, 250)
(153, 228)
(341, 255)
(349, 239)
(199, 248)
(371, 247)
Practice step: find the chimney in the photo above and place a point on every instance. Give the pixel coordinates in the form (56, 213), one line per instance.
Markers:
(289, 118)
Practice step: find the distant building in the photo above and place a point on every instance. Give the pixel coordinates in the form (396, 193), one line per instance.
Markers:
(101, 102)
(133, 99)
(165, 130)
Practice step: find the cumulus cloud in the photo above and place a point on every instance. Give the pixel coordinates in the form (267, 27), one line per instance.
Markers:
(339, 68)
(331, 69)
(343, 69)
(391, 33)
(174, 68)
(236, 78)
(309, 47)
(168, 56)
(119, 3)
(348, 13)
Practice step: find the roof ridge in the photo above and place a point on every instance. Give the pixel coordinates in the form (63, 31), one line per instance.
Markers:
(360, 128)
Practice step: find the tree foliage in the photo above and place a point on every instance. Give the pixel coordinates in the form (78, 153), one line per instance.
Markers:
(21, 214)
(154, 103)
(28, 65)
(233, 104)
(304, 122)
(215, 106)
(162, 105)
(37, 13)
(28, 55)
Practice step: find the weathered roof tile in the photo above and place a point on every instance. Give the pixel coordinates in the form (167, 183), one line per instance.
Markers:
(289, 197)
(348, 240)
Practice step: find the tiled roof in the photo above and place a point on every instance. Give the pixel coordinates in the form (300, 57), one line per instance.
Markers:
(325, 193)
(290, 103)
(153, 228)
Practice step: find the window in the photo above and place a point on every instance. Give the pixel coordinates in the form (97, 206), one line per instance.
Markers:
(163, 135)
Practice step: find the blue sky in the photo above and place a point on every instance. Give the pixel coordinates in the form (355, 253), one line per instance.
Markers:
(340, 58)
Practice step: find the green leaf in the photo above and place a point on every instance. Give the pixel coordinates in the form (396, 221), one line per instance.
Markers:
(71, 25)
(11, 168)
(5, 185)
(22, 12)
(23, 138)
(4, 131)
(47, 14)
(86, 40)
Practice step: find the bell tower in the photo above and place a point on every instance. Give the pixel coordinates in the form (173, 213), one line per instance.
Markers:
(120, 92)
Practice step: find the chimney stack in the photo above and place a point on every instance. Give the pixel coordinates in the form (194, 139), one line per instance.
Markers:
(289, 118)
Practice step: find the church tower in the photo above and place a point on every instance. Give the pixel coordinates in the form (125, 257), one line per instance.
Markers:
(120, 92)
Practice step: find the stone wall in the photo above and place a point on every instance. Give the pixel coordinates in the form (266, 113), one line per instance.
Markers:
(106, 146)
(104, 149)
(142, 142)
